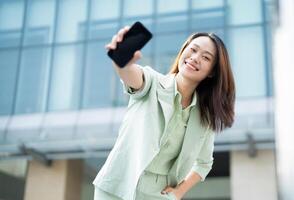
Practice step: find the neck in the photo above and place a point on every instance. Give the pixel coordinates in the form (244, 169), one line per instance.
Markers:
(186, 88)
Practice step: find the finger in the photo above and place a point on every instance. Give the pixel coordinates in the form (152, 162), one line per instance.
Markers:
(113, 42)
(120, 35)
(167, 189)
(122, 32)
(107, 46)
(127, 28)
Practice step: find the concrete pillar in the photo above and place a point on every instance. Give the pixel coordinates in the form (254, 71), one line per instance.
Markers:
(253, 178)
(61, 181)
(284, 98)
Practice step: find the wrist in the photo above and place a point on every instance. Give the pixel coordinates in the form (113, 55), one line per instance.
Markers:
(181, 187)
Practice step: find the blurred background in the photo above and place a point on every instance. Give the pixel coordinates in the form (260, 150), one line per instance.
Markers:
(61, 102)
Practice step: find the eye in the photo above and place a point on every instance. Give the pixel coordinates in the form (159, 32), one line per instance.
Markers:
(206, 58)
(194, 50)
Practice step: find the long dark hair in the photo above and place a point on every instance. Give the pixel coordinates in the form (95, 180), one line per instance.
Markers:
(216, 94)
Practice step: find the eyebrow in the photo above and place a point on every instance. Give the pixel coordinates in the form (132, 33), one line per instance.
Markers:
(203, 50)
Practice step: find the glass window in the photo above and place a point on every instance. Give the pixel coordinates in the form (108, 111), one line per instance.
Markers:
(11, 20)
(71, 23)
(244, 12)
(147, 22)
(208, 20)
(11, 14)
(99, 85)
(247, 55)
(204, 4)
(136, 8)
(40, 22)
(103, 30)
(8, 72)
(33, 79)
(173, 23)
(166, 6)
(10, 38)
(66, 78)
(167, 47)
(101, 9)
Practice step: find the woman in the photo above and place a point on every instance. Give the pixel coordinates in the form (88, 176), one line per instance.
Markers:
(165, 143)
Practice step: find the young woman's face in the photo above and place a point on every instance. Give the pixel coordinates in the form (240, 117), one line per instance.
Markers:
(197, 60)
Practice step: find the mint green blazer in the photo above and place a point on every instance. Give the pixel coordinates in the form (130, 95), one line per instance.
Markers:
(143, 131)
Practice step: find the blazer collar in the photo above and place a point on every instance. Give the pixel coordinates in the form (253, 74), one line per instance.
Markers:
(167, 81)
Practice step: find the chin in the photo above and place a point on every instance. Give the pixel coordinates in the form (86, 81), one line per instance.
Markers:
(186, 74)
(193, 77)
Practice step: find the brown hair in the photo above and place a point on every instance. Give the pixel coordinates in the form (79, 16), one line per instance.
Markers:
(216, 94)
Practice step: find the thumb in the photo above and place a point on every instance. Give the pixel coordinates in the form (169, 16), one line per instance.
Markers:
(137, 55)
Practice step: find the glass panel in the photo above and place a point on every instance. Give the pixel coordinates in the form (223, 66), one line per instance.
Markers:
(10, 38)
(135, 7)
(244, 12)
(147, 22)
(174, 23)
(66, 78)
(103, 30)
(71, 20)
(8, 71)
(247, 56)
(11, 20)
(166, 6)
(11, 14)
(167, 47)
(101, 9)
(40, 22)
(33, 80)
(100, 79)
(207, 20)
(204, 4)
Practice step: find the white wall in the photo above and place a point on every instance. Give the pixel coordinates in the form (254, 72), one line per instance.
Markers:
(253, 178)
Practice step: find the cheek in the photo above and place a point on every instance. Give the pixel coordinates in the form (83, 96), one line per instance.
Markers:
(181, 60)
(209, 66)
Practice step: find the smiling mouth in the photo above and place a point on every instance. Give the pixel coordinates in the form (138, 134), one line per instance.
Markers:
(191, 66)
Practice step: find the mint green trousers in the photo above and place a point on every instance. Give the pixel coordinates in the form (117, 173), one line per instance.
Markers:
(149, 187)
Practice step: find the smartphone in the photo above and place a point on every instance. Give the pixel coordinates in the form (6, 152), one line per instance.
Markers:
(133, 40)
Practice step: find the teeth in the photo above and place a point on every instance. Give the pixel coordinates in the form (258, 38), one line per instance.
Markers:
(191, 66)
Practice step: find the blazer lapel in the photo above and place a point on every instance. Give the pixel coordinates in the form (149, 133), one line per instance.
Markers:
(165, 95)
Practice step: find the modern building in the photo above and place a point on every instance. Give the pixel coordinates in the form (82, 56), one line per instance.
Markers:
(61, 103)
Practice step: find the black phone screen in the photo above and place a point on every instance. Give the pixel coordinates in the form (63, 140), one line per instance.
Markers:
(133, 40)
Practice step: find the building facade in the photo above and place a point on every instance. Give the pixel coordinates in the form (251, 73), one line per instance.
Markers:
(61, 102)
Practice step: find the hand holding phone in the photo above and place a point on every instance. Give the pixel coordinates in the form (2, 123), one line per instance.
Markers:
(133, 40)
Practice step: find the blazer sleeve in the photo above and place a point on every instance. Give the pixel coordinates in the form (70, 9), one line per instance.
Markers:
(147, 80)
(203, 163)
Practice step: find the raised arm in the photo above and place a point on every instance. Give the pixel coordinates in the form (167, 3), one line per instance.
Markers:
(131, 74)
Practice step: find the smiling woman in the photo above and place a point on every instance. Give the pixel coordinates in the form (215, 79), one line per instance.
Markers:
(166, 140)
(216, 92)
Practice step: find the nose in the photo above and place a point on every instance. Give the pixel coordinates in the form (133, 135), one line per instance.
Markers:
(196, 57)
